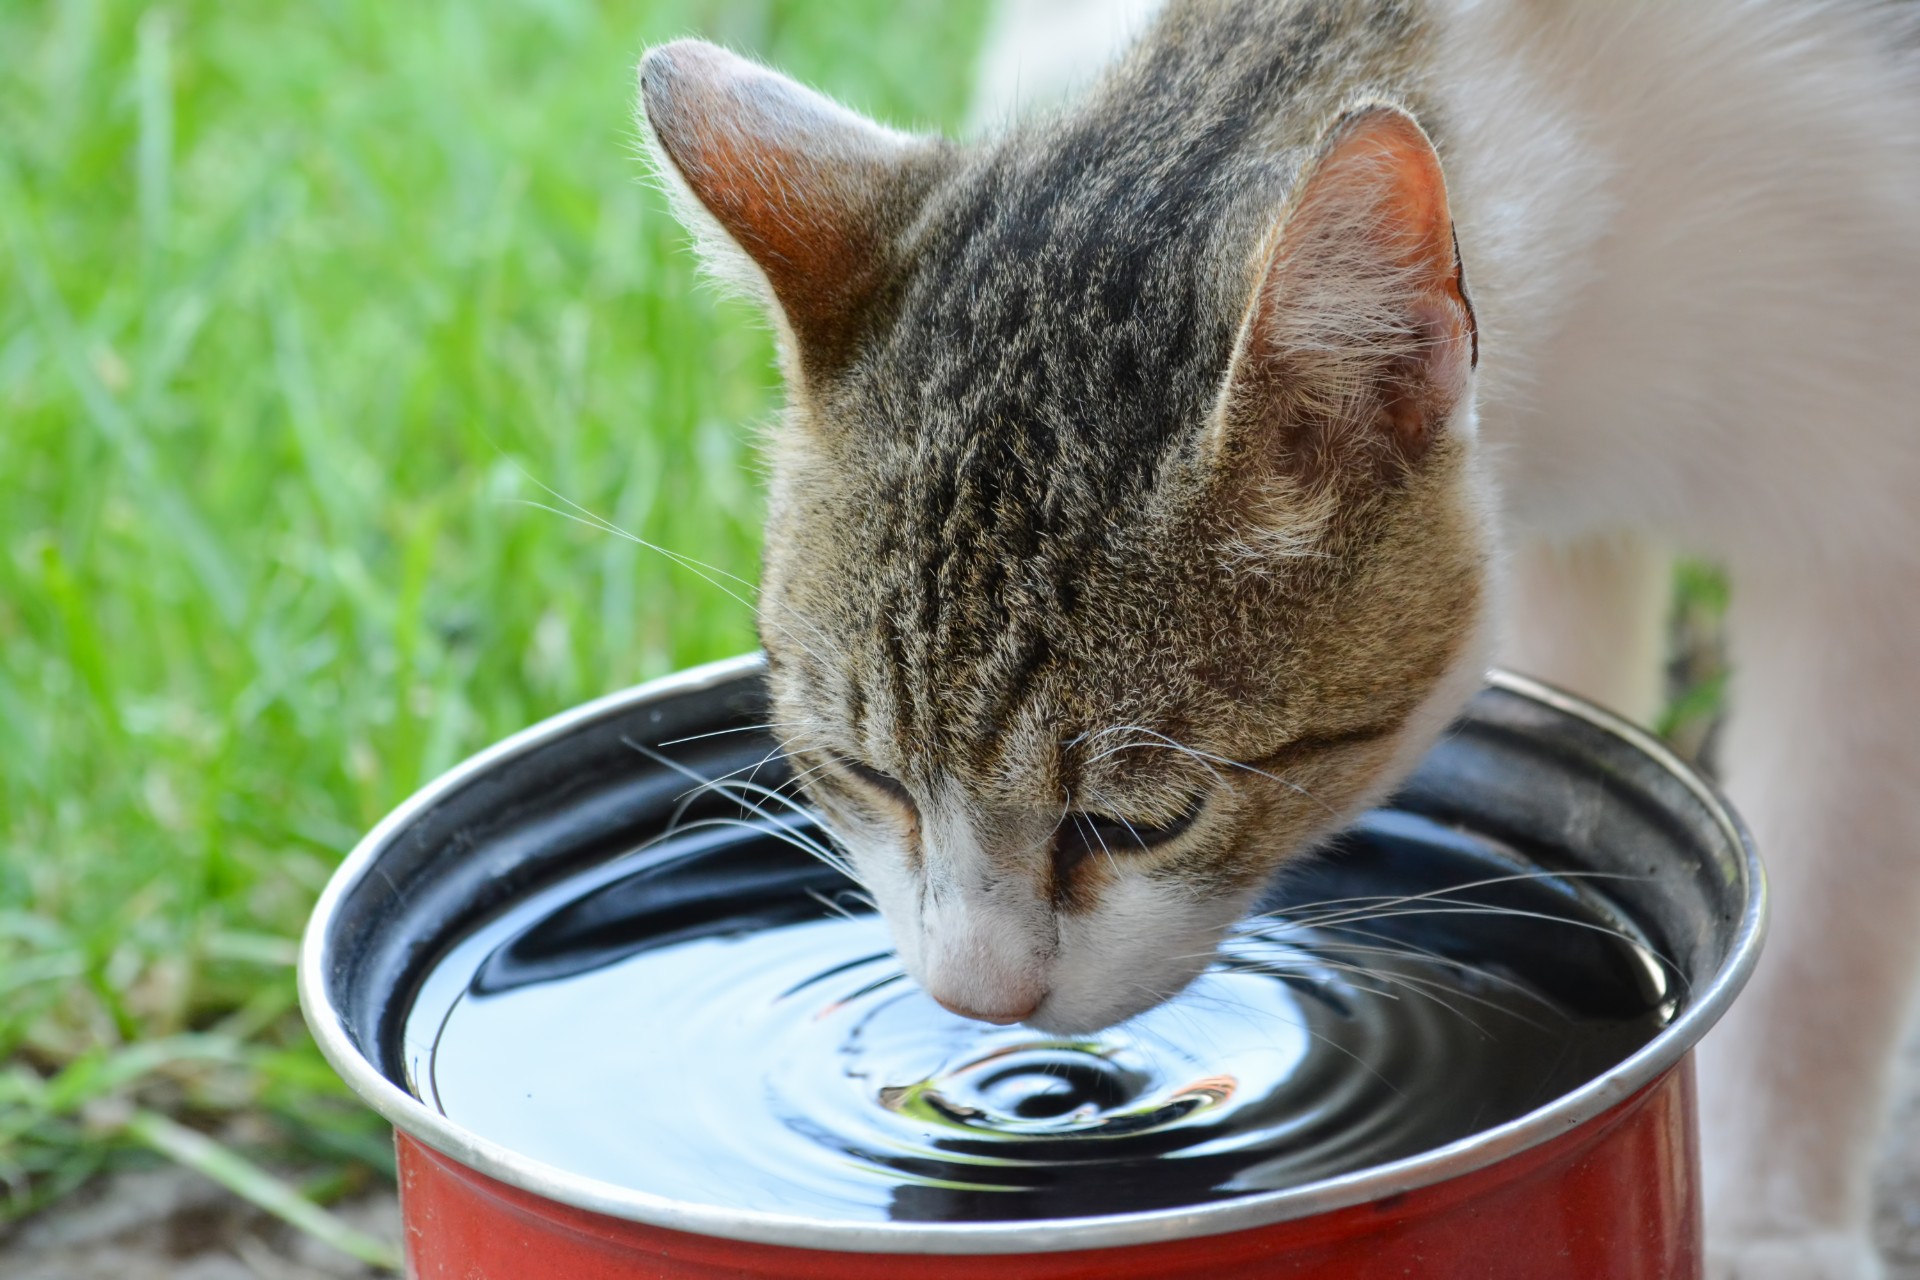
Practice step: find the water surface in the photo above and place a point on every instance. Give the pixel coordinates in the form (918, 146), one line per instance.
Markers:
(702, 1022)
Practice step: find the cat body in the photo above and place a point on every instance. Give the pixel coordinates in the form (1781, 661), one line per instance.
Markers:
(1161, 471)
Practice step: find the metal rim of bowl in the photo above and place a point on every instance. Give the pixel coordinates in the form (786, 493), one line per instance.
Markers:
(1487, 1147)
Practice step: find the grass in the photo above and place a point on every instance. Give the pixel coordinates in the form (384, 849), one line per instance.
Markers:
(301, 304)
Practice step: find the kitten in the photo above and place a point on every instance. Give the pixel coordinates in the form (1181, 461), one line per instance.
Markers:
(1155, 468)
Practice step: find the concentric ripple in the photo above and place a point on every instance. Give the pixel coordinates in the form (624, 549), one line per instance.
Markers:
(774, 1058)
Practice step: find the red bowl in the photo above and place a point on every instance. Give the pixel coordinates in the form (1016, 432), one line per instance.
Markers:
(1600, 1182)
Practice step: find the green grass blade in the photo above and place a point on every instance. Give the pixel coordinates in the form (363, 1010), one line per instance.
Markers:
(255, 1185)
(296, 302)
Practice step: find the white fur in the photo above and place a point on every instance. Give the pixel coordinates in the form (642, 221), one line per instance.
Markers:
(1038, 51)
(979, 940)
(1692, 232)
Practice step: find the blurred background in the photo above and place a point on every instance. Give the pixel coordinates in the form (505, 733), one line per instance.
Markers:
(309, 312)
(332, 336)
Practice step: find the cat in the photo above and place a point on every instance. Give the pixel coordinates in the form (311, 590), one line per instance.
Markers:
(1161, 471)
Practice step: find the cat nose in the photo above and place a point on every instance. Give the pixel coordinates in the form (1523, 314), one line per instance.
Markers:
(998, 1017)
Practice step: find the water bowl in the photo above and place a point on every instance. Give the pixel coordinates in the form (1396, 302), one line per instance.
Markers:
(627, 1024)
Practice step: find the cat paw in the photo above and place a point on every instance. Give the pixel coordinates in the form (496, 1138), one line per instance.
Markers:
(1814, 1256)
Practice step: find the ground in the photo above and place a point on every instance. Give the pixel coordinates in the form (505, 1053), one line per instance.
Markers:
(316, 320)
(1897, 1225)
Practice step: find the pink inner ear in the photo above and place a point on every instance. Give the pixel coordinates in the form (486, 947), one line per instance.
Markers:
(798, 182)
(1384, 154)
(1380, 180)
(1361, 314)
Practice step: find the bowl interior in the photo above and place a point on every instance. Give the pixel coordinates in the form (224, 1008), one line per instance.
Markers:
(1562, 790)
(1539, 777)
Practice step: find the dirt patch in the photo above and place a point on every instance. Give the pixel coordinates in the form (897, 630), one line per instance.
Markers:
(170, 1224)
(1897, 1224)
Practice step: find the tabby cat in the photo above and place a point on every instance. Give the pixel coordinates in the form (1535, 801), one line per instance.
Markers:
(1162, 470)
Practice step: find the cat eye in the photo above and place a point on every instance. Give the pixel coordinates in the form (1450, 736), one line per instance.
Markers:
(874, 780)
(1082, 834)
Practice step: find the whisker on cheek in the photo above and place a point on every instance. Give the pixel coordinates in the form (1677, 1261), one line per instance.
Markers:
(761, 828)
(1387, 946)
(1461, 907)
(1426, 988)
(699, 568)
(1161, 741)
(742, 793)
(1488, 882)
(762, 727)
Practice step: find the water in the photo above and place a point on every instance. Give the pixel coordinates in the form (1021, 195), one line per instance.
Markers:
(698, 1022)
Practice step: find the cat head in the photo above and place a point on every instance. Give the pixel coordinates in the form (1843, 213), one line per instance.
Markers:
(1124, 533)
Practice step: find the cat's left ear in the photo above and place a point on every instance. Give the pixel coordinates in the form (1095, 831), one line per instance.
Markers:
(1358, 342)
(784, 188)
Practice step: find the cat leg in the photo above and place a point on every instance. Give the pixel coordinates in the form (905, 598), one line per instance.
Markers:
(1591, 617)
(1823, 756)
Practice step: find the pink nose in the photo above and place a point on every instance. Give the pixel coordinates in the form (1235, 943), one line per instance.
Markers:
(998, 1018)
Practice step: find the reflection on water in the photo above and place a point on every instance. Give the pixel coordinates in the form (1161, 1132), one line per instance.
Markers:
(699, 1022)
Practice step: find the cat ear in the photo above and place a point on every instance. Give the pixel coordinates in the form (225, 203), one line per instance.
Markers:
(1359, 341)
(805, 196)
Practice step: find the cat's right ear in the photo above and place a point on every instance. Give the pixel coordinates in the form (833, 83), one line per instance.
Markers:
(786, 190)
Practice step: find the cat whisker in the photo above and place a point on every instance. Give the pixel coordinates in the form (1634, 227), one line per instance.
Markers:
(1111, 860)
(699, 568)
(1427, 989)
(789, 835)
(1482, 909)
(1209, 758)
(1518, 988)
(1412, 904)
(1387, 945)
(1413, 984)
(739, 728)
(1387, 899)
(1302, 965)
(777, 832)
(737, 788)
(709, 786)
(1098, 798)
(1309, 953)
(588, 516)
(1159, 739)
(795, 837)
(800, 778)
(832, 904)
(1303, 971)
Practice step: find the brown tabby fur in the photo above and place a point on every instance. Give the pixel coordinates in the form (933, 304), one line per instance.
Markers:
(998, 531)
